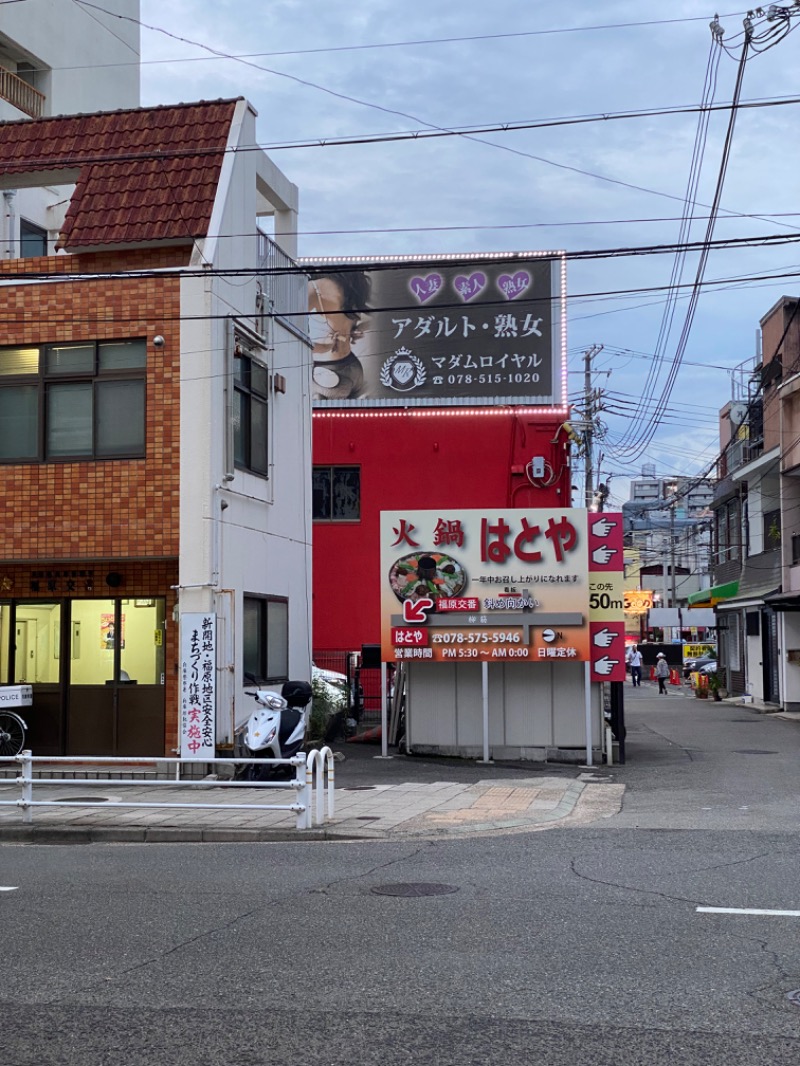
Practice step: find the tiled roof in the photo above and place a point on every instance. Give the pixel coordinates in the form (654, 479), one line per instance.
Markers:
(148, 174)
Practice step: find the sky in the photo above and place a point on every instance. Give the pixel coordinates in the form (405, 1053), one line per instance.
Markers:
(320, 70)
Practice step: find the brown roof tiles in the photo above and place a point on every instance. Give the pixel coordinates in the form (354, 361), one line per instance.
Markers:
(148, 174)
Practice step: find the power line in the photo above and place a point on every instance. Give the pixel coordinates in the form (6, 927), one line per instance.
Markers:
(387, 110)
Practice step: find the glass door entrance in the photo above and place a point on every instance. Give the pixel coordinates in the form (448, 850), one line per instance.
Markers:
(116, 677)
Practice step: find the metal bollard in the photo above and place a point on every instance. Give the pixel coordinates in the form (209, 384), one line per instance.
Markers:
(24, 759)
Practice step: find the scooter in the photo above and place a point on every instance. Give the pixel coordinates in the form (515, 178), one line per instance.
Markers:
(275, 730)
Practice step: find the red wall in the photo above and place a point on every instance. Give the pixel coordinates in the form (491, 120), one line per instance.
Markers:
(424, 459)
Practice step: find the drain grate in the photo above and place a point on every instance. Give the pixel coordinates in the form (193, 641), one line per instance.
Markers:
(82, 799)
(368, 818)
(358, 788)
(414, 889)
(794, 997)
(754, 751)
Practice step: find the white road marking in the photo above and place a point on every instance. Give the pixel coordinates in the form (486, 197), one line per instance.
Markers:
(4, 889)
(747, 910)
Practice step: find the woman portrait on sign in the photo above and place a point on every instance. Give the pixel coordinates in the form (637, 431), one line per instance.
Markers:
(337, 302)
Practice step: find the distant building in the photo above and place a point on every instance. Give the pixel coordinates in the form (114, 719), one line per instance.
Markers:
(668, 528)
(59, 59)
(755, 586)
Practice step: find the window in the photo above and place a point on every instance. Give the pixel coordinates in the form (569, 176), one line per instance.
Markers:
(772, 529)
(73, 401)
(336, 493)
(728, 532)
(250, 412)
(32, 240)
(266, 639)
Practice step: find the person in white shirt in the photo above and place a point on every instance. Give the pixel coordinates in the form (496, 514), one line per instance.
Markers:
(635, 661)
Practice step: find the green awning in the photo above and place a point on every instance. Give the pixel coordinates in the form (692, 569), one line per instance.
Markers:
(711, 597)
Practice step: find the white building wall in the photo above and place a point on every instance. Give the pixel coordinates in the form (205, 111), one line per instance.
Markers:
(247, 535)
(87, 59)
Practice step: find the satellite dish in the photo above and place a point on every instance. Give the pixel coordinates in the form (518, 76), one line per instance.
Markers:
(737, 413)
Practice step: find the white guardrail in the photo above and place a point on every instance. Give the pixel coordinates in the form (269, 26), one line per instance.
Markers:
(320, 763)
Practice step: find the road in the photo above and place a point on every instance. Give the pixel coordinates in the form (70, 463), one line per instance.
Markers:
(567, 946)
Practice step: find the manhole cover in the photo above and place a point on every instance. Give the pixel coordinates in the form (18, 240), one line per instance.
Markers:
(414, 889)
(794, 997)
(358, 788)
(82, 799)
(754, 751)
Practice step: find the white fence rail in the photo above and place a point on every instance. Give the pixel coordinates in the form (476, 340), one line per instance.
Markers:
(305, 768)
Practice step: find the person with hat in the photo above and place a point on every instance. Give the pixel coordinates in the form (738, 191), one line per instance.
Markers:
(662, 673)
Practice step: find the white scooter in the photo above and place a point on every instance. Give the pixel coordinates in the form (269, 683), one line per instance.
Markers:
(275, 730)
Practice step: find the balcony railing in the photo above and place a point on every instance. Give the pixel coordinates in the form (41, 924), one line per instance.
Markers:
(23, 96)
(285, 289)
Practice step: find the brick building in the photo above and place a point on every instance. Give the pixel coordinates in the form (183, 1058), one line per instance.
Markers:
(153, 457)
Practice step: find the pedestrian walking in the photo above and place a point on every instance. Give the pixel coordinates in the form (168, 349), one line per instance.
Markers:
(635, 662)
(662, 673)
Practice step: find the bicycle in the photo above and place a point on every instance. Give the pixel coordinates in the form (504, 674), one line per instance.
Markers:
(12, 733)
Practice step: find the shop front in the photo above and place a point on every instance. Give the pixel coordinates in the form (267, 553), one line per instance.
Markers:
(97, 668)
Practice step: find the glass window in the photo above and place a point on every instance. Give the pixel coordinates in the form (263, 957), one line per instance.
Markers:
(5, 642)
(91, 397)
(95, 631)
(32, 239)
(37, 643)
(19, 422)
(278, 638)
(70, 359)
(122, 355)
(250, 414)
(142, 653)
(69, 420)
(120, 418)
(18, 361)
(336, 493)
(258, 437)
(265, 642)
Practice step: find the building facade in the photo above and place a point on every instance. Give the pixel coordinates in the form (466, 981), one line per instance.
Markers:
(156, 456)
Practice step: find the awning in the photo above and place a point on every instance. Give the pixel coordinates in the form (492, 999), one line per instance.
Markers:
(711, 597)
(783, 601)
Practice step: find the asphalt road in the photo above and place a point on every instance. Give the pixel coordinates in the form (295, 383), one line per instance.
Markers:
(568, 946)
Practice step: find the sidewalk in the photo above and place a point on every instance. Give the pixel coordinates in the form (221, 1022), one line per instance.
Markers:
(399, 799)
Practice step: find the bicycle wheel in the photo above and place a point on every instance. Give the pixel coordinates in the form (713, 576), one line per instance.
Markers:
(12, 735)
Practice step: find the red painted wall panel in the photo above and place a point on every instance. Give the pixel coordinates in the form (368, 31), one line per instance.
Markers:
(419, 459)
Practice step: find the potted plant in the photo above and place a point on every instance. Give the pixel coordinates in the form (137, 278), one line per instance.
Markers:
(714, 685)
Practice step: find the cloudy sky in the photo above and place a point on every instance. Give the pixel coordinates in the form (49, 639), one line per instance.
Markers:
(320, 70)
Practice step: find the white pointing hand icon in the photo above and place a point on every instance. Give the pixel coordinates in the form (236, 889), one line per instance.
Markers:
(603, 527)
(605, 665)
(602, 555)
(604, 638)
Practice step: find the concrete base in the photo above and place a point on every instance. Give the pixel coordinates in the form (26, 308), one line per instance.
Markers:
(503, 753)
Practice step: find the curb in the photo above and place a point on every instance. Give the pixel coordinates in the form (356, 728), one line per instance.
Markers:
(49, 834)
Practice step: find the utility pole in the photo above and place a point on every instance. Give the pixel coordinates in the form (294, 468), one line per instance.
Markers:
(588, 406)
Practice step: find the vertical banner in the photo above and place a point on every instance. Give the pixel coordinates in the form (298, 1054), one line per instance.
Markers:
(606, 597)
(198, 686)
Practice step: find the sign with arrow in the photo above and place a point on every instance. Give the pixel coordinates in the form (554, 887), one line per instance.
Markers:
(606, 597)
(415, 611)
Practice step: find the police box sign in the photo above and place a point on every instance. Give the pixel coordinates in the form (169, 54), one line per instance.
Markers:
(474, 330)
(16, 696)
